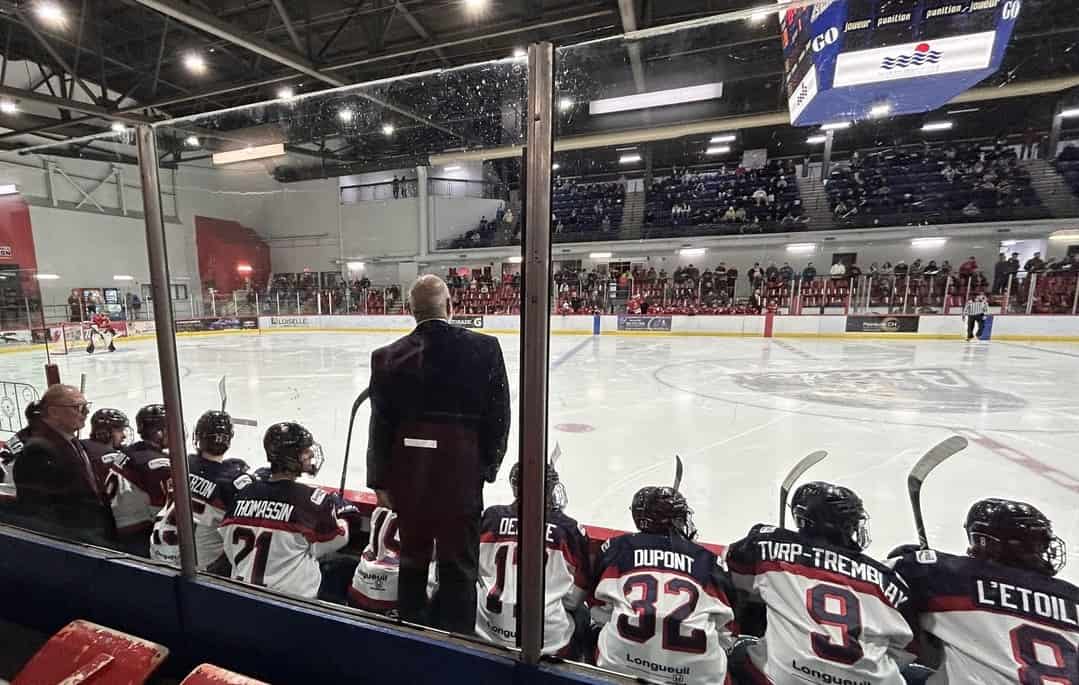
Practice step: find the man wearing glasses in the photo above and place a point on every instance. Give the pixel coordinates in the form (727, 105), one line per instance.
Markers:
(58, 489)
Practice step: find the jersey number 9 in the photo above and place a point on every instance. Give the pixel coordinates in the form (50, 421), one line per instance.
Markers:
(831, 605)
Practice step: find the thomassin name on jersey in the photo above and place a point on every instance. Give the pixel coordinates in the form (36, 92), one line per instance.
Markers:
(826, 678)
(263, 509)
(829, 560)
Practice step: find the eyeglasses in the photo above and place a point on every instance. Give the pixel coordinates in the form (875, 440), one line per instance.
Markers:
(81, 407)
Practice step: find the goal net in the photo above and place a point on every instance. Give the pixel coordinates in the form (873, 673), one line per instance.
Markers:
(55, 338)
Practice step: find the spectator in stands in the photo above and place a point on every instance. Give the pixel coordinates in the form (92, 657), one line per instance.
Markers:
(605, 225)
(971, 210)
(838, 270)
(853, 271)
(1035, 264)
(74, 305)
(755, 275)
(760, 196)
(771, 274)
(809, 273)
(931, 269)
(968, 268)
(483, 224)
(786, 273)
(730, 216)
(945, 268)
(740, 214)
(396, 187)
(1000, 274)
(900, 269)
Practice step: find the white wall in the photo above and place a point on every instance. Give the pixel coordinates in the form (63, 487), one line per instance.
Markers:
(451, 217)
(381, 228)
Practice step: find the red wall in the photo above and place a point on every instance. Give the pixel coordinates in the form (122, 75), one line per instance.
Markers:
(223, 244)
(17, 234)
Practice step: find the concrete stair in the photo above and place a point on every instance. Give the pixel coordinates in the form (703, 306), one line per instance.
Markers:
(632, 216)
(815, 203)
(1052, 189)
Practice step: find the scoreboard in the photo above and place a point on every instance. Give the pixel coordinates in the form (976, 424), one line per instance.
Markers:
(844, 57)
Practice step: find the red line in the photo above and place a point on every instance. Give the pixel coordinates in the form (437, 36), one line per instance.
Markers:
(1021, 458)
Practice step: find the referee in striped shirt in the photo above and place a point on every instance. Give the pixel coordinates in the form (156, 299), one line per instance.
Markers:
(975, 312)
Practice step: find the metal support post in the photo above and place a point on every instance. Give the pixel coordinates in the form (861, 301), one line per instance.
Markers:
(947, 293)
(277, 296)
(966, 298)
(30, 319)
(235, 304)
(50, 181)
(1008, 295)
(213, 302)
(1030, 293)
(1075, 297)
(536, 321)
(258, 309)
(166, 343)
(850, 295)
(318, 302)
(826, 164)
(329, 299)
(298, 311)
(118, 172)
(906, 292)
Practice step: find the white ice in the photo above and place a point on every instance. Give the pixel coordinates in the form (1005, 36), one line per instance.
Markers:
(740, 412)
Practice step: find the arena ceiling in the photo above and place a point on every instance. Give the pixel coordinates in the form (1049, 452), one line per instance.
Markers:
(139, 60)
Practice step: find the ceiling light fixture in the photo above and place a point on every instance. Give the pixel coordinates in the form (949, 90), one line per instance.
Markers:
(50, 13)
(123, 277)
(718, 150)
(192, 141)
(882, 110)
(565, 104)
(1068, 113)
(801, 248)
(346, 115)
(692, 251)
(724, 138)
(816, 140)
(9, 107)
(1065, 235)
(388, 129)
(600, 255)
(835, 126)
(556, 166)
(354, 266)
(248, 154)
(938, 126)
(9, 189)
(118, 127)
(629, 159)
(194, 63)
(47, 277)
(520, 53)
(659, 98)
(516, 259)
(285, 93)
(923, 243)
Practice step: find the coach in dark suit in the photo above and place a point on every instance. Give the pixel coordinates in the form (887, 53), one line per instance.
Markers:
(57, 489)
(440, 417)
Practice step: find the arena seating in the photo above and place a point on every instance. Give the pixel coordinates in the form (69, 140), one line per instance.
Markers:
(726, 201)
(208, 674)
(86, 652)
(950, 182)
(1068, 165)
(587, 207)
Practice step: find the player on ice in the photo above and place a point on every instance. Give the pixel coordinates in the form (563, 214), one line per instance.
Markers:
(101, 327)
(214, 482)
(660, 599)
(277, 529)
(566, 570)
(833, 614)
(997, 616)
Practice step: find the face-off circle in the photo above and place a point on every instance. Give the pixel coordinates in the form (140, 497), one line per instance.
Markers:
(574, 427)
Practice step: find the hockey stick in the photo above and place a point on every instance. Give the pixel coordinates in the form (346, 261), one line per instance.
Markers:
(223, 392)
(348, 438)
(932, 459)
(677, 472)
(801, 467)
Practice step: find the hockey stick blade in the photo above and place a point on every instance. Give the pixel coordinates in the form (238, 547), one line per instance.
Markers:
(800, 468)
(555, 454)
(932, 459)
(678, 469)
(222, 393)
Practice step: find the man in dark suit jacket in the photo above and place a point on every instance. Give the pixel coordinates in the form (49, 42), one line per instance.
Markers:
(58, 491)
(440, 418)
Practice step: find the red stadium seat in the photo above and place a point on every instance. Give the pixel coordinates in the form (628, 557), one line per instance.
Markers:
(86, 653)
(208, 674)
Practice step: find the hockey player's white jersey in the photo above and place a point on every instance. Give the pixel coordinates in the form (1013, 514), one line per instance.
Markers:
(832, 613)
(662, 602)
(567, 578)
(997, 625)
(8, 454)
(213, 487)
(275, 532)
(374, 585)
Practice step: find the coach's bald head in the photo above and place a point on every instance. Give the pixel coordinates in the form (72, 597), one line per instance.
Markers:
(429, 299)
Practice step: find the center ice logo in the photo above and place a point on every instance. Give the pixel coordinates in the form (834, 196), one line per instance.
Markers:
(929, 390)
(923, 54)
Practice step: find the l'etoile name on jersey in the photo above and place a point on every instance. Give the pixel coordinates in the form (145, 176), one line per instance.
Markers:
(263, 509)
(201, 487)
(1016, 599)
(830, 560)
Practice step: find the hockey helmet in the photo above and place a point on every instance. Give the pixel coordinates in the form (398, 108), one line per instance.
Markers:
(1015, 534)
(104, 422)
(662, 510)
(553, 488)
(149, 421)
(832, 512)
(285, 444)
(214, 432)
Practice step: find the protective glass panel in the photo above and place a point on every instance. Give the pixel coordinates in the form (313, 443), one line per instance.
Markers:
(754, 291)
(361, 441)
(73, 266)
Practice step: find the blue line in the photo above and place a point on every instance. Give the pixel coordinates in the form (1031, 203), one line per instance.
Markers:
(570, 352)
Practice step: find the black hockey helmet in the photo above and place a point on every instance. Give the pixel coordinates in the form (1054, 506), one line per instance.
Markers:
(149, 421)
(214, 432)
(104, 422)
(285, 444)
(833, 513)
(1015, 534)
(33, 412)
(553, 487)
(662, 510)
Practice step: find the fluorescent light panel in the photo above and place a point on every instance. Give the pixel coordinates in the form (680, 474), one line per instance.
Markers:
(692, 251)
(938, 126)
(452, 167)
(835, 126)
(658, 98)
(354, 266)
(801, 248)
(718, 150)
(816, 140)
(1068, 113)
(8, 189)
(516, 259)
(249, 154)
(882, 110)
(725, 138)
(600, 255)
(928, 242)
(123, 277)
(629, 159)
(47, 277)
(1065, 235)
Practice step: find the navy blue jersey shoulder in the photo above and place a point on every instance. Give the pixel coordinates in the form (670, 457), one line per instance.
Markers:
(302, 507)
(217, 482)
(649, 552)
(942, 582)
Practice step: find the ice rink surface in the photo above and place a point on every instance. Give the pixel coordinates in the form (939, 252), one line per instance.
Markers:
(740, 412)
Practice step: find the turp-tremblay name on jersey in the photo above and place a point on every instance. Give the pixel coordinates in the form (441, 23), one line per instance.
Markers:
(1020, 599)
(830, 560)
(263, 509)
